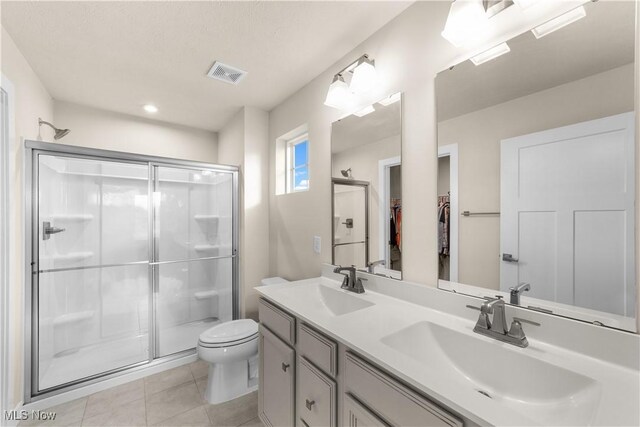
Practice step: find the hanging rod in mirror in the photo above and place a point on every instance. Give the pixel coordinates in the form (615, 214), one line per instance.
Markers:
(467, 213)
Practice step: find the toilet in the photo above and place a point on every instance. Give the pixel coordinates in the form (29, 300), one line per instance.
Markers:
(231, 349)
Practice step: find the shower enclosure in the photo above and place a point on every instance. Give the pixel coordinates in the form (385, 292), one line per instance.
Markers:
(131, 257)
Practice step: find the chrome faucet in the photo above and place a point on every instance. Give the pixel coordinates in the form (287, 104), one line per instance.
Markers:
(350, 282)
(516, 291)
(497, 326)
(372, 265)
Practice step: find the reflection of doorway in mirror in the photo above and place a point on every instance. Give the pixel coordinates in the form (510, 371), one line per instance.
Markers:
(447, 212)
(390, 213)
(567, 214)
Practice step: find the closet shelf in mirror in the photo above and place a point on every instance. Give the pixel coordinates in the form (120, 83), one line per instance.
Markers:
(71, 256)
(69, 217)
(467, 213)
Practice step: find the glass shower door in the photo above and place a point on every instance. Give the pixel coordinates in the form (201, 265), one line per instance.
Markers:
(91, 297)
(193, 254)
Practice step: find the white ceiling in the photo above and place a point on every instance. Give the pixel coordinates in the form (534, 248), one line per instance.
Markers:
(603, 40)
(121, 55)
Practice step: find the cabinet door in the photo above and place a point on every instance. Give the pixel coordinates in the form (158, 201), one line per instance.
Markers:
(277, 381)
(316, 402)
(356, 415)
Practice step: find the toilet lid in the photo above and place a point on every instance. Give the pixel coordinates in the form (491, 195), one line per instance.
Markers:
(230, 331)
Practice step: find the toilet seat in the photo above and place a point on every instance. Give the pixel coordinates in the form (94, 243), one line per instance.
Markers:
(229, 334)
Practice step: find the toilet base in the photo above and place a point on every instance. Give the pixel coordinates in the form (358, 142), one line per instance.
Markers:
(228, 381)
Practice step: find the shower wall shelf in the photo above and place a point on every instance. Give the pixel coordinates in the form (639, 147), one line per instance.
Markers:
(71, 256)
(205, 295)
(206, 217)
(71, 217)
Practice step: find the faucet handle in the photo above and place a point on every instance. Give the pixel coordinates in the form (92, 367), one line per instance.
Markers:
(515, 330)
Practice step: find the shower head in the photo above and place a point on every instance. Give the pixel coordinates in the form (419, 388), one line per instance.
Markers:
(59, 133)
(346, 173)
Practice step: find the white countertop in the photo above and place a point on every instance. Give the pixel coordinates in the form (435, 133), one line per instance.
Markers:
(617, 395)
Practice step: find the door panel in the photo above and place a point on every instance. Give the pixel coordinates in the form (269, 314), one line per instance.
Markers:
(93, 287)
(567, 203)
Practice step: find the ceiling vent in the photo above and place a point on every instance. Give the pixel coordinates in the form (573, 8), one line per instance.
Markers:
(226, 73)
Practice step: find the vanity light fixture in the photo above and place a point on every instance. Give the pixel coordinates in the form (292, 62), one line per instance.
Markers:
(366, 110)
(559, 22)
(391, 99)
(490, 54)
(466, 22)
(150, 108)
(364, 77)
(339, 95)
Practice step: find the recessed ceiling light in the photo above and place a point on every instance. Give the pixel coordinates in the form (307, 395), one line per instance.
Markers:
(150, 108)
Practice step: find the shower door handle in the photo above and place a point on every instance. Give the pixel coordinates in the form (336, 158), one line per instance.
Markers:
(48, 230)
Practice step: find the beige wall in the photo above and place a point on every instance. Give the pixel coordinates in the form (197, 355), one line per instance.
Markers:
(91, 127)
(363, 161)
(478, 135)
(244, 142)
(31, 101)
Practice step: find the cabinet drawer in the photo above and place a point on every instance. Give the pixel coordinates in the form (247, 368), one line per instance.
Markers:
(394, 402)
(279, 322)
(318, 349)
(316, 401)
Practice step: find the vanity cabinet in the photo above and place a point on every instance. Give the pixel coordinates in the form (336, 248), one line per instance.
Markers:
(309, 380)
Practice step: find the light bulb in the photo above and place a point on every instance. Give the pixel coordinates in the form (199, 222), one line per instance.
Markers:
(364, 77)
(339, 94)
(467, 22)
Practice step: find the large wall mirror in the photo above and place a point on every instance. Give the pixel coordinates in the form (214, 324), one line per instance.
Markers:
(366, 188)
(536, 171)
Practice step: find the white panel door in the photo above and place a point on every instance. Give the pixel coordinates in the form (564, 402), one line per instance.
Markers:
(567, 214)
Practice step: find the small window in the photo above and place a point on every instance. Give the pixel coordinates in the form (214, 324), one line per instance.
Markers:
(298, 164)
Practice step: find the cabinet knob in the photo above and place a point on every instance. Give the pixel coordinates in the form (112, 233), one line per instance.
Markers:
(285, 366)
(309, 403)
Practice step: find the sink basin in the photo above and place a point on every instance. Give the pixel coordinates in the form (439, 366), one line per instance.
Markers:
(336, 302)
(525, 384)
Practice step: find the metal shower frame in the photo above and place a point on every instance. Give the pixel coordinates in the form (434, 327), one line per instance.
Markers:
(33, 149)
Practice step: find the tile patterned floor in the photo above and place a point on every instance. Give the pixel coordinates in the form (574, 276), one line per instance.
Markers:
(172, 398)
